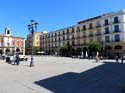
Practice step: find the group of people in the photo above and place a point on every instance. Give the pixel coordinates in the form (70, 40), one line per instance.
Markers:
(119, 57)
(15, 59)
(98, 58)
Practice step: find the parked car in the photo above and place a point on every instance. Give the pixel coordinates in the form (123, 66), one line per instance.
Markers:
(23, 57)
(10, 58)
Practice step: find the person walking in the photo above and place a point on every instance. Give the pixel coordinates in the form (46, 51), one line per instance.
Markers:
(117, 58)
(97, 58)
(122, 59)
(17, 59)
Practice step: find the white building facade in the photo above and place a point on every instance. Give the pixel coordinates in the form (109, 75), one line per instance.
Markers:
(9, 43)
(108, 29)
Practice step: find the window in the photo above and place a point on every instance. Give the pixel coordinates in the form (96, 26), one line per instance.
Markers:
(116, 28)
(55, 34)
(78, 29)
(63, 32)
(84, 27)
(107, 39)
(72, 30)
(8, 32)
(67, 31)
(98, 24)
(106, 22)
(117, 38)
(67, 37)
(90, 26)
(107, 30)
(115, 19)
(52, 35)
(59, 33)
(59, 38)
(63, 38)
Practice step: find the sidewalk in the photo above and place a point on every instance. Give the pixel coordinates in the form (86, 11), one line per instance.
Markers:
(54, 74)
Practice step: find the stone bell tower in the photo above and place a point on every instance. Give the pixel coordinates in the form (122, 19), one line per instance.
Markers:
(7, 31)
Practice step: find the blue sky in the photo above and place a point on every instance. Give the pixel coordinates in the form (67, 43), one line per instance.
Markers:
(51, 14)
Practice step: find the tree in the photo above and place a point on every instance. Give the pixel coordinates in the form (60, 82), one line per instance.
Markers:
(36, 49)
(94, 47)
(65, 50)
(78, 51)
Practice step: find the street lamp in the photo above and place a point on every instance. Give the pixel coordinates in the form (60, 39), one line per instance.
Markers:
(32, 27)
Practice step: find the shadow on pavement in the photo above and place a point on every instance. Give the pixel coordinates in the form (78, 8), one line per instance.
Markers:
(106, 78)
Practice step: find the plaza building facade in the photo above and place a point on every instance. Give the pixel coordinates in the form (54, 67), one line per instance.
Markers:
(108, 29)
(10, 43)
(36, 41)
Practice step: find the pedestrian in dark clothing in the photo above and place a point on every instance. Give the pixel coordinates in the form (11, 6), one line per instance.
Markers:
(122, 59)
(17, 59)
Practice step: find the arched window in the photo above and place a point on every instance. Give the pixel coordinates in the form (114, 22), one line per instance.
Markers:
(8, 32)
(17, 50)
(108, 47)
(118, 47)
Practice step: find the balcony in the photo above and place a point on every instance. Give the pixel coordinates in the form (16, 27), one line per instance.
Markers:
(84, 29)
(91, 27)
(106, 24)
(98, 26)
(117, 31)
(84, 36)
(68, 33)
(78, 30)
(98, 34)
(107, 41)
(117, 41)
(67, 39)
(91, 35)
(107, 33)
(63, 33)
(115, 22)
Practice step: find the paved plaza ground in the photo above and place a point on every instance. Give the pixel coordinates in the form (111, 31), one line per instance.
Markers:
(62, 75)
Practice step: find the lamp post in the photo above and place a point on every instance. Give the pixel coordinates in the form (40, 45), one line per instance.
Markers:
(32, 27)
